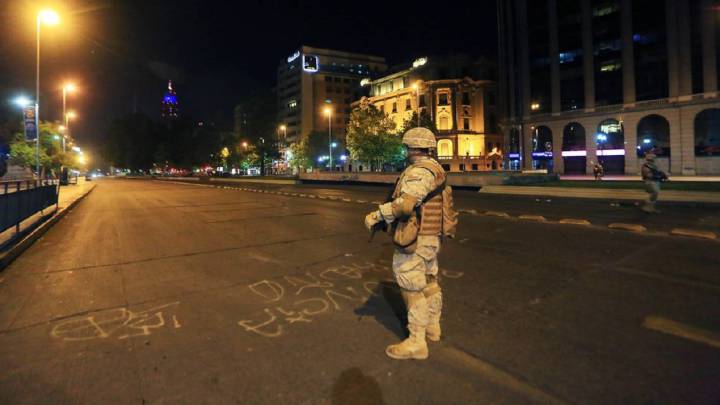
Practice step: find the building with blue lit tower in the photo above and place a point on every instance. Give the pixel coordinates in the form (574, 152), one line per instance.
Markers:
(169, 109)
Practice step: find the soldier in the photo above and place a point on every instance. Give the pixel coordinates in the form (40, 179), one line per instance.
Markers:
(652, 177)
(417, 206)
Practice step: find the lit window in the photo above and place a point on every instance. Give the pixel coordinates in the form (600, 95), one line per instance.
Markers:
(611, 66)
(444, 123)
(292, 104)
(443, 99)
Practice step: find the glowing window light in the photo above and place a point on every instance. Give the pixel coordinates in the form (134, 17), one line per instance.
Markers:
(611, 152)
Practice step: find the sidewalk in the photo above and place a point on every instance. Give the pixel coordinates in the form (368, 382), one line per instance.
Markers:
(36, 225)
(68, 194)
(576, 177)
(604, 194)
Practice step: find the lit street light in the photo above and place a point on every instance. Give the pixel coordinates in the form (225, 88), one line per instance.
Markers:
(416, 88)
(22, 101)
(47, 17)
(68, 87)
(328, 112)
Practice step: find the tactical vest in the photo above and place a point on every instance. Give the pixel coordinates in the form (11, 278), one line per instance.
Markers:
(431, 210)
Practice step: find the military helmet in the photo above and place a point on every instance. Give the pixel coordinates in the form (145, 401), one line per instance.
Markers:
(419, 138)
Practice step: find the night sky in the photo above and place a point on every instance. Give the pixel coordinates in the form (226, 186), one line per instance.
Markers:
(122, 52)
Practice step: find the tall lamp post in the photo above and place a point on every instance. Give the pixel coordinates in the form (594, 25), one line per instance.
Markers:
(70, 115)
(328, 112)
(48, 17)
(68, 87)
(283, 143)
(601, 138)
(416, 87)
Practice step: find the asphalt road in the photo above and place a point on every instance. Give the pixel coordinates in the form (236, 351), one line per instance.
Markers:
(152, 292)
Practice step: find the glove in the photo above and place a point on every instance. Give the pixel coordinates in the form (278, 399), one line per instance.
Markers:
(373, 218)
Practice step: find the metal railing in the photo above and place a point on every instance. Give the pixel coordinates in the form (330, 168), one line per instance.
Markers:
(21, 199)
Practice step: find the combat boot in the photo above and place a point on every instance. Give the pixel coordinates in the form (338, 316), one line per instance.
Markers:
(414, 347)
(433, 331)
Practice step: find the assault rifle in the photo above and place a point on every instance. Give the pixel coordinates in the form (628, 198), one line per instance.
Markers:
(382, 225)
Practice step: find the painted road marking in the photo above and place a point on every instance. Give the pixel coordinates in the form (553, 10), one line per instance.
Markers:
(665, 325)
(538, 218)
(459, 358)
(497, 214)
(574, 221)
(627, 227)
(694, 233)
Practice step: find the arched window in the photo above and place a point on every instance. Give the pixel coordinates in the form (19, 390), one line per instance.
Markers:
(610, 135)
(653, 133)
(610, 141)
(707, 133)
(445, 148)
(542, 139)
(573, 137)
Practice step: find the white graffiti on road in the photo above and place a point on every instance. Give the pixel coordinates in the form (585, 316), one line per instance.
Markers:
(297, 298)
(120, 323)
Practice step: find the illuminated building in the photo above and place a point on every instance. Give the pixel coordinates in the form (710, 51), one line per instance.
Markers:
(169, 108)
(452, 94)
(309, 78)
(583, 81)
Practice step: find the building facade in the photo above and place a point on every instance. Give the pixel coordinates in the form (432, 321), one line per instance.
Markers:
(311, 79)
(462, 108)
(583, 81)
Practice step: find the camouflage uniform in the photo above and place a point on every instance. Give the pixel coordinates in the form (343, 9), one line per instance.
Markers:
(412, 271)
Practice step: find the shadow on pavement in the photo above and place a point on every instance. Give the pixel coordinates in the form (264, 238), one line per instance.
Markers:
(386, 293)
(355, 388)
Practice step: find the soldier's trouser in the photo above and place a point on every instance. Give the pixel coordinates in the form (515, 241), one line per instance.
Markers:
(653, 190)
(412, 272)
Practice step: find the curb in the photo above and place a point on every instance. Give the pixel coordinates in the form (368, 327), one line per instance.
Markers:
(694, 233)
(15, 251)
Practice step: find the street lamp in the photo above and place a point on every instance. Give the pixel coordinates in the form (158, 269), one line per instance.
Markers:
(70, 115)
(328, 112)
(22, 101)
(48, 17)
(601, 138)
(67, 88)
(416, 88)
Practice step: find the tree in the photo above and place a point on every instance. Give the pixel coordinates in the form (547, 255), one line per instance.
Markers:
(300, 155)
(371, 137)
(412, 122)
